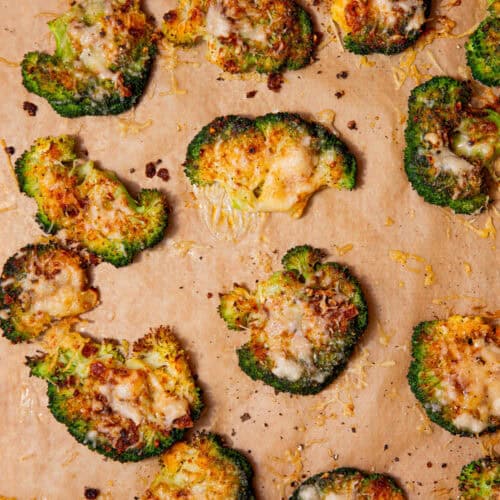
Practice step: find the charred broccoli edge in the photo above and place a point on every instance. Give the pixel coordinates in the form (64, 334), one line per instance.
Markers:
(416, 367)
(108, 254)
(477, 467)
(413, 160)
(250, 365)
(482, 68)
(360, 47)
(68, 105)
(346, 472)
(224, 127)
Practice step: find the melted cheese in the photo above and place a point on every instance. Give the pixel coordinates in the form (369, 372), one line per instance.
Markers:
(470, 377)
(448, 161)
(287, 368)
(217, 24)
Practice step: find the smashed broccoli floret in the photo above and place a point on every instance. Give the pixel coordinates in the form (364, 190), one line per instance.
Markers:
(304, 322)
(274, 163)
(386, 26)
(41, 284)
(104, 52)
(454, 373)
(125, 407)
(480, 480)
(347, 482)
(450, 145)
(483, 48)
(202, 468)
(91, 205)
(267, 36)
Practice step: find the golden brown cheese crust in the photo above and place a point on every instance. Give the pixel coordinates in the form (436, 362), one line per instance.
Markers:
(42, 284)
(199, 470)
(456, 373)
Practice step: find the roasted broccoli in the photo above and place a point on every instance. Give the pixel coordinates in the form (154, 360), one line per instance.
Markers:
(104, 52)
(267, 36)
(483, 48)
(385, 26)
(450, 146)
(480, 480)
(455, 373)
(91, 205)
(274, 163)
(125, 407)
(347, 482)
(304, 322)
(203, 468)
(41, 284)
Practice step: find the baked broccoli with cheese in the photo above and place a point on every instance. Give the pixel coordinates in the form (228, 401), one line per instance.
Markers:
(41, 284)
(274, 163)
(450, 145)
(385, 26)
(480, 480)
(125, 407)
(268, 36)
(91, 205)
(455, 373)
(203, 468)
(483, 48)
(103, 57)
(347, 482)
(304, 322)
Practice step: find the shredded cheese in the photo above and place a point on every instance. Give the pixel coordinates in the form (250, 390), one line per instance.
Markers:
(467, 268)
(129, 126)
(389, 222)
(9, 63)
(344, 249)
(488, 231)
(423, 266)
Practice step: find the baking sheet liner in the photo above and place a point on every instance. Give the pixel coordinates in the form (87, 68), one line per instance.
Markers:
(368, 418)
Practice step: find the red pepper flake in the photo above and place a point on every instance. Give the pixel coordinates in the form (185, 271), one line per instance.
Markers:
(89, 349)
(30, 108)
(275, 81)
(339, 94)
(170, 16)
(251, 94)
(163, 174)
(352, 125)
(10, 150)
(150, 169)
(91, 493)
(209, 295)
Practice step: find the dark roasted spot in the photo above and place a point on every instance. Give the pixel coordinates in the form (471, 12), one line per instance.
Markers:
(251, 94)
(30, 108)
(150, 169)
(163, 174)
(91, 493)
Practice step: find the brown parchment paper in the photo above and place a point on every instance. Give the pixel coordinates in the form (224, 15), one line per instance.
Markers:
(368, 418)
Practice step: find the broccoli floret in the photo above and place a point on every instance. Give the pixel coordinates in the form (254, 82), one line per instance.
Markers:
(303, 321)
(274, 163)
(454, 363)
(450, 146)
(203, 468)
(125, 407)
(480, 480)
(91, 205)
(41, 284)
(384, 27)
(347, 482)
(104, 52)
(483, 48)
(267, 36)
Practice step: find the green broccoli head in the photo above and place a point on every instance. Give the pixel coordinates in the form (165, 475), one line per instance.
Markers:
(347, 482)
(482, 49)
(303, 321)
(480, 479)
(450, 146)
(91, 205)
(384, 27)
(41, 284)
(104, 52)
(453, 372)
(125, 407)
(274, 163)
(202, 468)
(268, 36)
